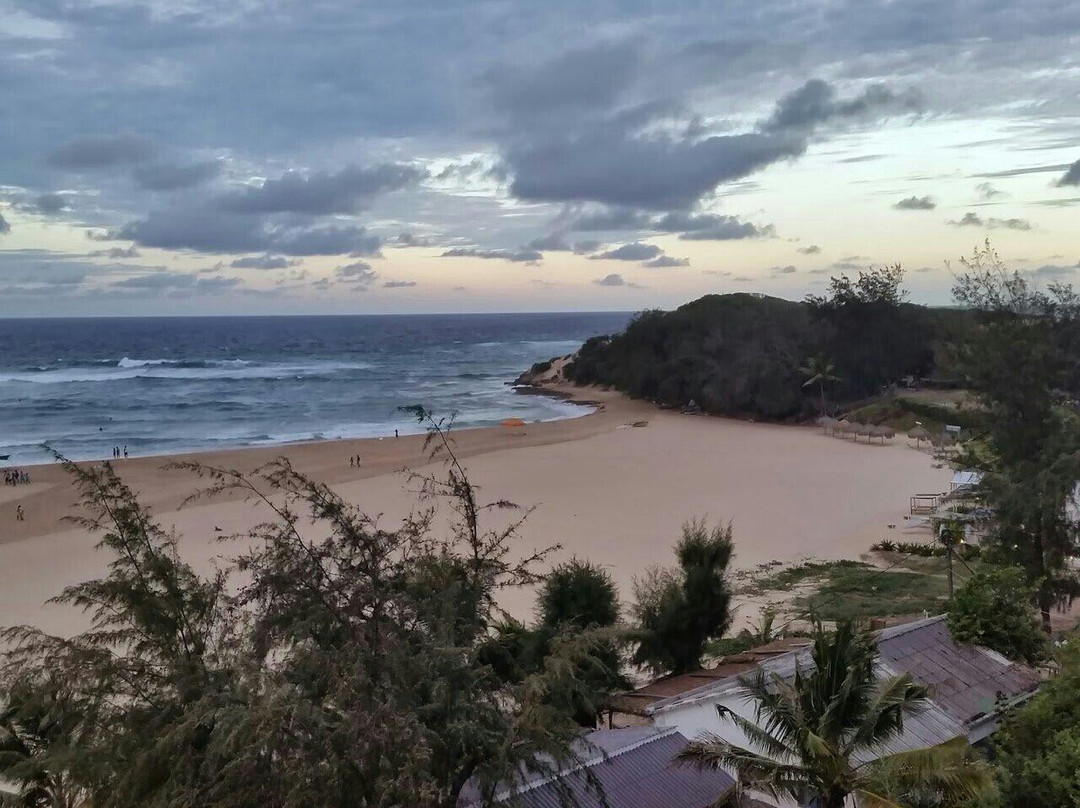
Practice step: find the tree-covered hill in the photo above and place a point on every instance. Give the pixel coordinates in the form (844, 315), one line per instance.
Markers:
(760, 356)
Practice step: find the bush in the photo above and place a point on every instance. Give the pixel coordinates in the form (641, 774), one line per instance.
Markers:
(1037, 750)
(994, 608)
(680, 611)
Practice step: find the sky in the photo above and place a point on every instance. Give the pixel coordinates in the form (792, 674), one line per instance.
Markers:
(336, 156)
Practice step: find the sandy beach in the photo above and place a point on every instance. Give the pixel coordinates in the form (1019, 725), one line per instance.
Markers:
(601, 488)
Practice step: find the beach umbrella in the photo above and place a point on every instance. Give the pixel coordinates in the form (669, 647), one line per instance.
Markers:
(874, 431)
(513, 422)
(887, 432)
(861, 429)
(826, 423)
(919, 434)
(843, 426)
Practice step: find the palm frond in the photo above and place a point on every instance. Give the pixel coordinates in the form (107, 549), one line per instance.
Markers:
(768, 744)
(883, 718)
(753, 771)
(952, 771)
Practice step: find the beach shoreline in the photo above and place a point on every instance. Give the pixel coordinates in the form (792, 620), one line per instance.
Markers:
(613, 486)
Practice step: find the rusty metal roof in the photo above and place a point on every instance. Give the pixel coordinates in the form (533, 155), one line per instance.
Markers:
(640, 701)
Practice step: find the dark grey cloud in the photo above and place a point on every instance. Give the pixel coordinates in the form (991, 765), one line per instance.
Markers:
(971, 219)
(1019, 172)
(587, 246)
(611, 153)
(264, 261)
(709, 227)
(408, 239)
(213, 231)
(101, 152)
(790, 269)
(916, 203)
(553, 242)
(170, 281)
(604, 219)
(51, 204)
(117, 252)
(4, 226)
(634, 251)
(526, 256)
(399, 284)
(172, 177)
(1056, 270)
(344, 191)
(987, 191)
(1072, 176)
(575, 82)
(359, 273)
(863, 158)
(817, 102)
(811, 249)
(614, 279)
(665, 261)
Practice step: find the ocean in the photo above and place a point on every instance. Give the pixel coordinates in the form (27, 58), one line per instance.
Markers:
(169, 385)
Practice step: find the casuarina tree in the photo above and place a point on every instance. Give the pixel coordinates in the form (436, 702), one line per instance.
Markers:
(680, 610)
(333, 662)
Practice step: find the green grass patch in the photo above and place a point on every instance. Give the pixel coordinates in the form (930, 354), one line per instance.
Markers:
(860, 590)
(787, 579)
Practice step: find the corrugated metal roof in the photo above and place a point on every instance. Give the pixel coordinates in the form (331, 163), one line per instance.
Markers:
(645, 700)
(967, 681)
(638, 771)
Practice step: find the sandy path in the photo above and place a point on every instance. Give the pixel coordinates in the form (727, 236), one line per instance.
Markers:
(614, 494)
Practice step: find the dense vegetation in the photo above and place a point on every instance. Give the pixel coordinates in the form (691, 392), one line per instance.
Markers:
(747, 354)
(1037, 751)
(994, 609)
(349, 665)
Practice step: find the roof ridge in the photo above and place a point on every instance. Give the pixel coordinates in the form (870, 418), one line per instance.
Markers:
(900, 630)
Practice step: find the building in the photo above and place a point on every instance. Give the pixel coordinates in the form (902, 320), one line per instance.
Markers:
(635, 767)
(969, 687)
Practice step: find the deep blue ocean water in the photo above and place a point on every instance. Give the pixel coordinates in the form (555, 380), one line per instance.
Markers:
(166, 385)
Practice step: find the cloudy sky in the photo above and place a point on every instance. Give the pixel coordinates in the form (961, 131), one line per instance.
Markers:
(304, 156)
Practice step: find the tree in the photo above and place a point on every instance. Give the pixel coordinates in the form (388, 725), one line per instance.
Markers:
(1017, 359)
(820, 371)
(578, 593)
(575, 597)
(341, 665)
(1037, 750)
(680, 611)
(40, 734)
(994, 608)
(811, 733)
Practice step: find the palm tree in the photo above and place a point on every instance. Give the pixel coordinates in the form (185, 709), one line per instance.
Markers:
(820, 371)
(39, 736)
(815, 733)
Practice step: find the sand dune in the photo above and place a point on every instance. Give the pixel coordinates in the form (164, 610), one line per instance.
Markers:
(604, 490)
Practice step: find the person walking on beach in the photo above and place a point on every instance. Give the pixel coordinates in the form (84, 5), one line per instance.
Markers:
(125, 451)
(352, 461)
(19, 515)
(395, 433)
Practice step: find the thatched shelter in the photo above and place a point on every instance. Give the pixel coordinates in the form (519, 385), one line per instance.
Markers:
(919, 434)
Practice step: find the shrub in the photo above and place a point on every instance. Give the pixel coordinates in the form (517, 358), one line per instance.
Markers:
(995, 608)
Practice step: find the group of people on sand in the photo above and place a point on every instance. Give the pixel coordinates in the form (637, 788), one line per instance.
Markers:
(16, 477)
(117, 452)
